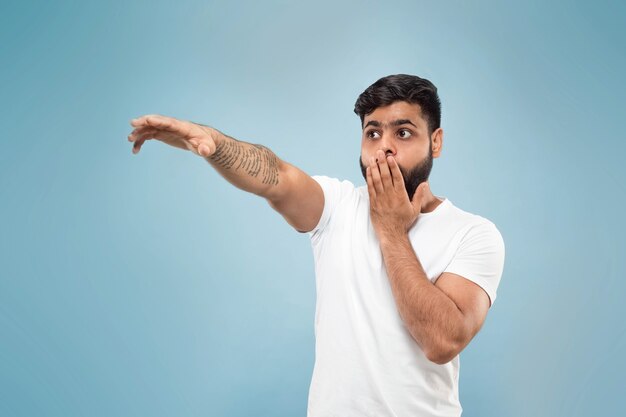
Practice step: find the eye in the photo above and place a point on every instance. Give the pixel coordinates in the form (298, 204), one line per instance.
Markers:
(370, 134)
(405, 133)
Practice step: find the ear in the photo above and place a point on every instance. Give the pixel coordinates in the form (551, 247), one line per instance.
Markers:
(437, 142)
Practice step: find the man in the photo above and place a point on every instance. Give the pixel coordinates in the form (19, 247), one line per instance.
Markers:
(404, 278)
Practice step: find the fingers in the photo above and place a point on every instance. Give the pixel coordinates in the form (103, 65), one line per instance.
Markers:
(182, 134)
(375, 172)
(396, 174)
(381, 174)
(420, 191)
(206, 149)
(141, 137)
(370, 182)
(157, 121)
(138, 132)
(385, 173)
(148, 120)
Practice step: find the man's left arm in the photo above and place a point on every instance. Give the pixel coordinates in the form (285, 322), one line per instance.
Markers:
(442, 317)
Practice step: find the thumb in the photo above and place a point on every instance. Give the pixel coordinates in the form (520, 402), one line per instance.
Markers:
(418, 197)
(204, 150)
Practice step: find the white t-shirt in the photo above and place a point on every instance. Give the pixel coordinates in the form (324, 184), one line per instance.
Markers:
(366, 362)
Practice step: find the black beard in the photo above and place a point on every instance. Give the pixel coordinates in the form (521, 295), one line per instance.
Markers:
(412, 178)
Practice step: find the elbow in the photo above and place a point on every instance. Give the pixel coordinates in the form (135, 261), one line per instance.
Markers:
(449, 348)
(274, 193)
(445, 352)
(441, 357)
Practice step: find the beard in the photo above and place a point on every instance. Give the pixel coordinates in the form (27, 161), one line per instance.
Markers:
(413, 177)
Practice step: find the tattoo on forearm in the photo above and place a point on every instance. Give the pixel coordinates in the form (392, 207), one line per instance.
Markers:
(256, 160)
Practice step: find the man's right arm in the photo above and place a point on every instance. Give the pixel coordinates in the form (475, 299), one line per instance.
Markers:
(249, 167)
(302, 202)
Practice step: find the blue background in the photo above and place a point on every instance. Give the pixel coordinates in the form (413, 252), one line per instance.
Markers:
(147, 285)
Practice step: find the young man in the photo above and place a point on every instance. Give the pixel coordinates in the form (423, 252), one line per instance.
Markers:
(404, 278)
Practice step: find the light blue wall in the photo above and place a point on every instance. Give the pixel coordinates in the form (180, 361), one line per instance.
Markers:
(147, 285)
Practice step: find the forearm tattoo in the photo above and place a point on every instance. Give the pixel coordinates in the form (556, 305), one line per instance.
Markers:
(256, 160)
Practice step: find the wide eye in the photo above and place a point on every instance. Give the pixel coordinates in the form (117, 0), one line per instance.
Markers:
(404, 133)
(372, 134)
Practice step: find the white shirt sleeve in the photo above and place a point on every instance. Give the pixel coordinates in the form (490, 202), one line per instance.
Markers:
(480, 258)
(334, 190)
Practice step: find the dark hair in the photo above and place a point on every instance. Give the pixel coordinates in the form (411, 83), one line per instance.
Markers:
(401, 87)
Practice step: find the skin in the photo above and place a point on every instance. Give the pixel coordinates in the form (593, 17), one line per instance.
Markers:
(442, 317)
(408, 143)
(250, 167)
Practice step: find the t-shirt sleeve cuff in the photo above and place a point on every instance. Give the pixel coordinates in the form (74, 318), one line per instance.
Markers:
(326, 184)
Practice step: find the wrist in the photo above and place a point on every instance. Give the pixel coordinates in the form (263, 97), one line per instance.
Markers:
(216, 136)
(388, 236)
(218, 139)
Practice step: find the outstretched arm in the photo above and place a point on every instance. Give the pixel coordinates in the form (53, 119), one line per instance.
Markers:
(250, 167)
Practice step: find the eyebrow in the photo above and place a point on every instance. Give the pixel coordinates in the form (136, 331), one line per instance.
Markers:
(398, 122)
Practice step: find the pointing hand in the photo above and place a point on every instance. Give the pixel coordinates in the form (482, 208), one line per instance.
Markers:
(201, 140)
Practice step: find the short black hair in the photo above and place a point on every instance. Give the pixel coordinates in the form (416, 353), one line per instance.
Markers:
(401, 87)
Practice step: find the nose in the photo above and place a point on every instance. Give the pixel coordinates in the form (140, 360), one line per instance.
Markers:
(387, 146)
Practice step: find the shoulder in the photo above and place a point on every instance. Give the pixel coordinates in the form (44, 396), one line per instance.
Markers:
(473, 224)
(479, 253)
(336, 192)
(332, 183)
